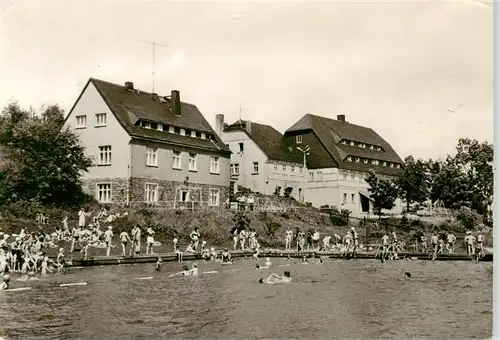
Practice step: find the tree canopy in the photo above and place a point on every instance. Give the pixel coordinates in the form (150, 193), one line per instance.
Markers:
(40, 161)
(383, 192)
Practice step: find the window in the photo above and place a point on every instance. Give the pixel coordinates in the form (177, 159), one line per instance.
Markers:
(81, 122)
(154, 126)
(203, 135)
(105, 155)
(311, 176)
(344, 200)
(177, 130)
(241, 147)
(151, 156)
(213, 197)
(298, 139)
(214, 165)
(104, 192)
(151, 192)
(349, 158)
(353, 196)
(384, 163)
(365, 160)
(255, 167)
(100, 119)
(192, 162)
(398, 166)
(319, 176)
(171, 129)
(183, 132)
(235, 169)
(183, 195)
(176, 160)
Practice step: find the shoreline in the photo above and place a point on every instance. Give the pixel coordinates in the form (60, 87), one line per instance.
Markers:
(172, 257)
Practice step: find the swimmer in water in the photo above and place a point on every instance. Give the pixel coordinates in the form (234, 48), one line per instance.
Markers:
(304, 260)
(184, 272)
(268, 262)
(6, 280)
(226, 257)
(257, 266)
(274, 278)
(158, 264)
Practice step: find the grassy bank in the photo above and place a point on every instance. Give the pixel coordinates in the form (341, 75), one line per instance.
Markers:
(215, 225)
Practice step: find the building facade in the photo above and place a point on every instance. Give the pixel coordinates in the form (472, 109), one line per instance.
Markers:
(148, 148)
(340, 157)
(261, 160)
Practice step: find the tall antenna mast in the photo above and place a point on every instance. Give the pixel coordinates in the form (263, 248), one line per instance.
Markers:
(153, 44)
(240, 111)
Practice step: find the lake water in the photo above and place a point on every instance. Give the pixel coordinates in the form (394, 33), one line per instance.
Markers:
(340, 299)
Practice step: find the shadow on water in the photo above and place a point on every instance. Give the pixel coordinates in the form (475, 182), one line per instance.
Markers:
(343, 299)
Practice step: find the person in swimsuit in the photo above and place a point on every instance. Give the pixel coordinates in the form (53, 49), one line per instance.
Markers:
(354, 236)
(158, 264)
(124, 238)
(60, 260)
(108, 238)
(480, 247)
(5, 280)
(184, 272)
(274, 278)
(76, 237)
(226, 257)
(469, 242)
(195, 238)
(175, 240)
(150, 240)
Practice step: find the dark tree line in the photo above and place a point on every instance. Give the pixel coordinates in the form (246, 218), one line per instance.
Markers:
(39, 160)
(462, 180)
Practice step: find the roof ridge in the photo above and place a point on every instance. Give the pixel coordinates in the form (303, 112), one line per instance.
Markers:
(335, 120)
(141, 91)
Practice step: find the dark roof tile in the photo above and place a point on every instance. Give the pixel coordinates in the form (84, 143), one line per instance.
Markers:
(131, 106)
(269, 140)
(330, 132)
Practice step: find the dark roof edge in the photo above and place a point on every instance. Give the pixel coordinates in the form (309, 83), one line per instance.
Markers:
(77, 100)
(327, 150)
(134, 136)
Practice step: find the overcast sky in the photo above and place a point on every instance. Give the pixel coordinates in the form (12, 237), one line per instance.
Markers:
(396, 67)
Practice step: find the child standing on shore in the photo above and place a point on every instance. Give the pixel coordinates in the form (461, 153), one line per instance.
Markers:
(108, 237)
(124, 238)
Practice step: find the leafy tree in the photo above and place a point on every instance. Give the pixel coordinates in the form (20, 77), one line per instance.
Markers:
(413, 182)
(476, 163)
(465, 179)
(383, 192)
(40, 161)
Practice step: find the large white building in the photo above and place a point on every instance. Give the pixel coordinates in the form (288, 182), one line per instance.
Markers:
(261, 160)
(340, 158)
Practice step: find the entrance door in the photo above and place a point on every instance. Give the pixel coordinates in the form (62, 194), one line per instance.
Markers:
(365, 203)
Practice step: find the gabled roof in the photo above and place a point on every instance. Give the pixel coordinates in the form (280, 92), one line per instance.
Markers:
(130, 106)
(331, 132)
(269, 140)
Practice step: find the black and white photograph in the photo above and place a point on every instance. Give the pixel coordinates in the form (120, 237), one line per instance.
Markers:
(247, 170)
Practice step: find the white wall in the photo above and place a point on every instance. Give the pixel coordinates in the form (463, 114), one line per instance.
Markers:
(251, 153)
(92, 137)
(328, 186)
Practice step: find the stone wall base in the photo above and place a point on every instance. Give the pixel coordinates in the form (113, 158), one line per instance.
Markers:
(133, 192)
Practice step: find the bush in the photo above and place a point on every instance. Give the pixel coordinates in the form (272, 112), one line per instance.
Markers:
(468, 217)
(450, 226)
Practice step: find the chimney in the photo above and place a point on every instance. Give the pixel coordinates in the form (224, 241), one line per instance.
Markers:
(219, 124)
(175, 100)
(248, 126)
(341, 118)
(129, 85)
(154, 96)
